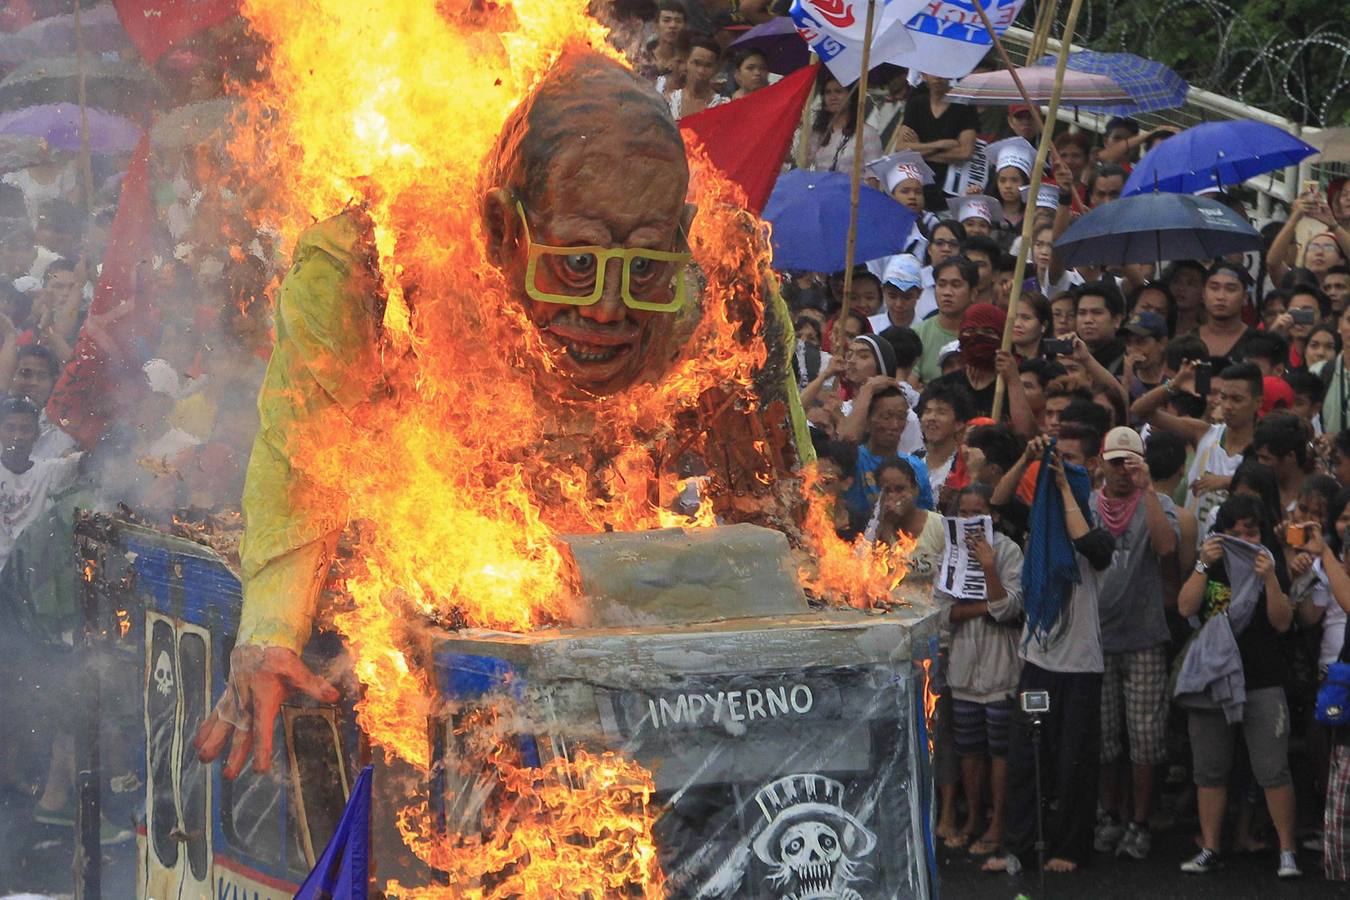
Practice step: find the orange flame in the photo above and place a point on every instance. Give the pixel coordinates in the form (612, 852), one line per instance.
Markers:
(583, 822)
(862, 574)
(930, 701)
(462, 476)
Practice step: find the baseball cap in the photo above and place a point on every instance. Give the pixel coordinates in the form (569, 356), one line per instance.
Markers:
(903, 271)
(1147, 324)
(1275, 394)
(1122, 443)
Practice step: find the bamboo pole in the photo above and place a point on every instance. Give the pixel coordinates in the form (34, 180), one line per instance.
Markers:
(1029, 222)
(804, 131)
(1032, 105)
(86, 163)
(854, 188)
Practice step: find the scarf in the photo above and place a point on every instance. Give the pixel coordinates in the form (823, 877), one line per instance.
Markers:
(1050, 567)
(1116, 512)
(1211, 671)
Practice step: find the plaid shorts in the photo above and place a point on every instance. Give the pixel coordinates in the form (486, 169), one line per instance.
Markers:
(1134, 700)
(1336, 824)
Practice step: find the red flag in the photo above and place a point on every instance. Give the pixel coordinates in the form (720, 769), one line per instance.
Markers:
(748, 139)
(91, 391)
(156, 25)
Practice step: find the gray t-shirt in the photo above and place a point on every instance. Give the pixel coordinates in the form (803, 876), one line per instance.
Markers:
(1075, 645)
(1131, 600)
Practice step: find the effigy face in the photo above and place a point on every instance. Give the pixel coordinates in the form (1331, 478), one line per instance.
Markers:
(591, 229)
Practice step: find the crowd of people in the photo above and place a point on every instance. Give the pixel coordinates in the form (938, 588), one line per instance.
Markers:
(1172, 448)
(158, 382)
(1172, 452)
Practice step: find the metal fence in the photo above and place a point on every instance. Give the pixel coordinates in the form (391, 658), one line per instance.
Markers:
(1272, 192)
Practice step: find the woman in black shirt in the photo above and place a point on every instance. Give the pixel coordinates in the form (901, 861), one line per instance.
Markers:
(943, 132)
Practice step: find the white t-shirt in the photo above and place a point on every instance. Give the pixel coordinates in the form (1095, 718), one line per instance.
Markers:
(677, 98)
(24, 497)
(1333, 621)
(927, 302)
(52, 441)
(1210, 459)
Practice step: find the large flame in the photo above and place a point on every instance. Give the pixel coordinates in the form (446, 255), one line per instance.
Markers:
(462, 478)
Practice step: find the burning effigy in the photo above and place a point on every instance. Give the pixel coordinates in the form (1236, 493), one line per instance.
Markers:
(531, 373)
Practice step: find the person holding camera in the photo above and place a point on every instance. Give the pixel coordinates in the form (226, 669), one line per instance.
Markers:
(1060, 687)
(1134, 639)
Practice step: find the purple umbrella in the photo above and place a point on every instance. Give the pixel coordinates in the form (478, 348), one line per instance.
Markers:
(102, 31)
(59, 125)
(782, 46)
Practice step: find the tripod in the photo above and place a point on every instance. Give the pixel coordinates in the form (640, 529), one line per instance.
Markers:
(1036, 737)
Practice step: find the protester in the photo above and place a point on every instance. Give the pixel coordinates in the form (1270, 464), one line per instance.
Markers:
(1237, 575)
(955, 281)
(1134, 634)
(1062, 652)
(982, 670)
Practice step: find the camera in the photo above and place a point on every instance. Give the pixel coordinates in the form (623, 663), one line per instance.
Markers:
(1052, 347)
(1303, 316)
(1035, 703)
(1202, 378)
(1297, 535)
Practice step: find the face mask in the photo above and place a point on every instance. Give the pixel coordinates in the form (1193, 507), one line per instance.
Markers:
(979, 350)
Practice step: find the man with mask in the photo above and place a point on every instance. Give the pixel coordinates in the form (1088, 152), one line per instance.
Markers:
(980, 337)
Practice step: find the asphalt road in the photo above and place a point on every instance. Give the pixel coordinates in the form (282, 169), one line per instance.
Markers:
(1157, 877)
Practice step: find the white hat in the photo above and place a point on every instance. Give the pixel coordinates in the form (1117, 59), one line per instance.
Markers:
(976, 206)
(903, 271)
(1046, 198)
(897, 167)
(1016, 152)
(947, 350)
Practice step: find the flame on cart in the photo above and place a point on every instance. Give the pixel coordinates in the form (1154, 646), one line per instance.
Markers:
(389, 109)
(536, 834)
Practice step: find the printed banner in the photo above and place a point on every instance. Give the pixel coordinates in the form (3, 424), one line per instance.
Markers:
(960, 573)
(834, 29)
(949, 37)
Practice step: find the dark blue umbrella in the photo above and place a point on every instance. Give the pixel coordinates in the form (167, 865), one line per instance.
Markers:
(809, 214)
(1151, 85)
(780, 43)
(1152, 228)
(1216, 154)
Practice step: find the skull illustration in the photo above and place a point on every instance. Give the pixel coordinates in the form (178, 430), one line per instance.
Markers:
(163, 674)
(811, 850)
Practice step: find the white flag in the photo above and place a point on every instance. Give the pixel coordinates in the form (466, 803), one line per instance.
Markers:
(834, 30)
(949, 37)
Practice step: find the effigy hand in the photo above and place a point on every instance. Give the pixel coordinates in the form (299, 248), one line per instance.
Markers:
(261, 679)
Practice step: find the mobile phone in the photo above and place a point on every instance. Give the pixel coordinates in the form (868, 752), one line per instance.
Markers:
(1303, 316)
(1311, 186)
(1202, 378)
(1051, 347)
(1297, 535)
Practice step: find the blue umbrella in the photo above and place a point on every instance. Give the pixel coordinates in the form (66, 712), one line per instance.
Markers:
(1155, 227)
(809, 214)
(1151, 85)
(1214, 154)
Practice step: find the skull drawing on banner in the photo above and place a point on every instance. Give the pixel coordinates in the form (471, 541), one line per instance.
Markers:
(811, 844)
(163, 674)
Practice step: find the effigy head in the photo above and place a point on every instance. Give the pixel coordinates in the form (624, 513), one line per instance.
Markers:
(585, 215)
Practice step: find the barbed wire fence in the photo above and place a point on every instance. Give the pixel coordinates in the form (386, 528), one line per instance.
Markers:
(1303, 77)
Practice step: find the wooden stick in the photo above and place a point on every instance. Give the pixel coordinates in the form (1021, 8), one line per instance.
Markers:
(1029, 221)
(804, 141)
(86, 164)
(856, 185)
(1026, 98)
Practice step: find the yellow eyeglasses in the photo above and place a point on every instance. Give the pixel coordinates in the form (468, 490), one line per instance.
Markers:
(653, 280)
